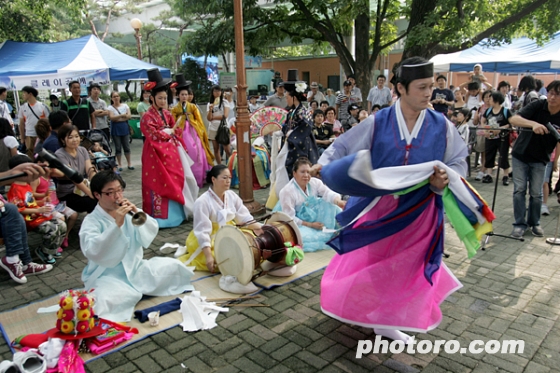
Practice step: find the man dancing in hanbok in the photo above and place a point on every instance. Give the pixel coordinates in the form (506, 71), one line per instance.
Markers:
(113, 247)
(396, 165)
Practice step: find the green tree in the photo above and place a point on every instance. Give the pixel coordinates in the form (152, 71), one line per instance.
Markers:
(438, 25)
(31, 20)
(200, 85)
(99, 13)
(446, 26)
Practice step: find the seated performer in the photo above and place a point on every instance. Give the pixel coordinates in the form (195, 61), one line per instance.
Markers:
(215, 208)
(394, 279)
(311, 204)
(113, 247)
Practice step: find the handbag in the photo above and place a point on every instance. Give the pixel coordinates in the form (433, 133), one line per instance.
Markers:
(222, 135)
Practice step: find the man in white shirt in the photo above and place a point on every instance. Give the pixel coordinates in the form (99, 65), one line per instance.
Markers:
(4, 109)
(29, 115)
(379, 95)
(315, 94)
(355, 92)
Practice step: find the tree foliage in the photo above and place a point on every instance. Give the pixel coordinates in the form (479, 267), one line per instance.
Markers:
(200, 85)
(446, 26)
(32, 20)
(101, 12)
(435, 26)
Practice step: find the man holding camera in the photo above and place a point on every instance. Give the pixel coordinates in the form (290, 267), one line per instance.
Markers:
(530, 155)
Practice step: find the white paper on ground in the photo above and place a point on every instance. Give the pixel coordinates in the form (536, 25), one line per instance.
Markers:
(50, 309)
(198, 314)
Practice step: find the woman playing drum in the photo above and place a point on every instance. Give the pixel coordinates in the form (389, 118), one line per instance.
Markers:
(300, 200)
(215, 208)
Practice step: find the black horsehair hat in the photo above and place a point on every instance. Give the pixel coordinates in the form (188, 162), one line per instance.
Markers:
(155, 81)
(180, 82)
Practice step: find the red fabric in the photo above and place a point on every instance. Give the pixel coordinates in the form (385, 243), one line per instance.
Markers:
(21, 195)
(162, 172)
(32, 340)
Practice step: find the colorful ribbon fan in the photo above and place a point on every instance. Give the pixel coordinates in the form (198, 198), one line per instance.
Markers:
(266, 120)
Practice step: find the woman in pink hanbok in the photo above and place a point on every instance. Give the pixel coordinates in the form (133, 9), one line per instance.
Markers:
(188, 118)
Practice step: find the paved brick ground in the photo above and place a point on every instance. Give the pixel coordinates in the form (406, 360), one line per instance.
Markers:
(511, 291)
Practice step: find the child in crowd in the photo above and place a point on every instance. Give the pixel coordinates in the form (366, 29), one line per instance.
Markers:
(478, 77)
(97, 151)
(480, 146)
(362, 115)
(496, 116)
(462, 117)
(253, 106)
(37, 217)
(324, 135)
(44, 191)
(375, 108)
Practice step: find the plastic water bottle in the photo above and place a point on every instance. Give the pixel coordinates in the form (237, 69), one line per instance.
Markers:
(52, 186)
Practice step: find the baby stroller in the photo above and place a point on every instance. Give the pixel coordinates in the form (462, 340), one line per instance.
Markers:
(92, 136)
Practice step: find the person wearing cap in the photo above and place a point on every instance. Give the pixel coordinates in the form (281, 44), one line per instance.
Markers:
(169, 187)
(55, 103)
(314, 94)
(343, 100)
(276, 80)
(352, 120)
(79, 109)
(253, 106)
(188, 118)
(391, 276)
(101, 113)
(279, 98)
(29, 114)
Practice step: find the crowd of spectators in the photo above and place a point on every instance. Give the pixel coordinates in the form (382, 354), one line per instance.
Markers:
(47, 201)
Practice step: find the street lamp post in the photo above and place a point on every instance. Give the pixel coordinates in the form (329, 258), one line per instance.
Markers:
(244, 159)
(137, 25)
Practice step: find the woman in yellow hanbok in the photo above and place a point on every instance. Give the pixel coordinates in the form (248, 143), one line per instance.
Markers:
(188, 118)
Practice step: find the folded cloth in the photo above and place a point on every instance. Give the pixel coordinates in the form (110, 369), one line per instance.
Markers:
(163, 308)
(198, 314)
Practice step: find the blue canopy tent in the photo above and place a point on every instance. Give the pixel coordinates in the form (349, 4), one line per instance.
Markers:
(523, 55)
(53, 65)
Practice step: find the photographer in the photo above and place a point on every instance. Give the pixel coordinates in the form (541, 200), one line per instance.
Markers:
(531, 152)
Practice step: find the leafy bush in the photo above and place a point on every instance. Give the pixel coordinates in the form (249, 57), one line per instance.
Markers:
(133, 107)
(197, 75)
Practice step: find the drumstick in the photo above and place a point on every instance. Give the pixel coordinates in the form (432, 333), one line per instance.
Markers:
(235, 298)
(222, 262)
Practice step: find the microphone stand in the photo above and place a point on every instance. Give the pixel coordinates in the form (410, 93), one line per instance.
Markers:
(552, 131)
(502, 139)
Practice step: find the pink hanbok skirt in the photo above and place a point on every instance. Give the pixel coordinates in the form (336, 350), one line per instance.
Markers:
(382, 285)
(197, 154)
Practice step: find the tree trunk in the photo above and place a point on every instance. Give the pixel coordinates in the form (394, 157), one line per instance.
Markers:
(127, 92)
(226, 65)
(419, 10)
(363, 70)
